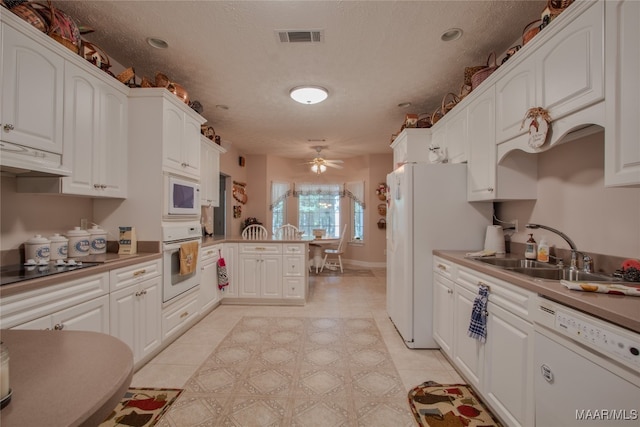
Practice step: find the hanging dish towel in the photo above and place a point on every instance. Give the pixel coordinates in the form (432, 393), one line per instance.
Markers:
(223, 278)
(478, 324)
(188, 257)
(603, 288)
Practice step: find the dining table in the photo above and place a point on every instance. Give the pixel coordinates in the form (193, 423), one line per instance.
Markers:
(319, 244)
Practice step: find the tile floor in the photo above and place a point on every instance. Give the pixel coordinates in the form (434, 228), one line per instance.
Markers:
(330, 297)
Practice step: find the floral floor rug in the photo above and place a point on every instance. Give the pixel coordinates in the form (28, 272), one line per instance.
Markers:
(448, 405)
(142, 407)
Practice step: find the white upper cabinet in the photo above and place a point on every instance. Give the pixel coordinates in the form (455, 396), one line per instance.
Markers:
(31, 83)
(622, 130)
(411, 145)
(95, 129)
(560, 70)
(210, 172)
(181, 140)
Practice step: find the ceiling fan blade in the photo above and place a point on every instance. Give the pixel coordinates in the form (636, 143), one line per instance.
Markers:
(334, 161)
(331, 165)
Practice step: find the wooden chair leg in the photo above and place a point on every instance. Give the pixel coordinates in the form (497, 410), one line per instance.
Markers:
(340, 260)
(324, 260)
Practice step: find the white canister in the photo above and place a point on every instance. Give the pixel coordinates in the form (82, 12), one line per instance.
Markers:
(79, 244)
(97, 240)
(37, 248)
(59, 247)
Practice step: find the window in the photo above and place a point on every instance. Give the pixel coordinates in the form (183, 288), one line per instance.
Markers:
(357, 215)
(355, 191)
(279, 193)
(319, 207)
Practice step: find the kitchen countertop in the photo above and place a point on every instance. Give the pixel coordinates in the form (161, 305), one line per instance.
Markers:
(107, 262)
(620, 310)
(66, 378)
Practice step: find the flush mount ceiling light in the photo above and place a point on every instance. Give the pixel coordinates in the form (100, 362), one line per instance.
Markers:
(157, 43)
(318, 168)
(308, 94)
(451, 34)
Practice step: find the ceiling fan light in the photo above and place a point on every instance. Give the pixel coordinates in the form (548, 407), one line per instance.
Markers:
(308, 94)
(318, 168)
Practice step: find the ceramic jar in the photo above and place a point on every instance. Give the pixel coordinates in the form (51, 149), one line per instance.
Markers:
(79, 244)
(97, 240)
(38, 249)
(59, 247)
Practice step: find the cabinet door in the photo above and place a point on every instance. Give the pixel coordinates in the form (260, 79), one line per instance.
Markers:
(191, 146)
(111, 150)
(206, 178)
(250, 272)
(150, 318)
(443, 319)
(123, 317)
(89, 316)
(173, 127)
(230, 254)
(32, 86)
(271, 284)
(209, 284)
(515, 94)
(571, 66)
(468, 353)
(481, 174)
(508, 373)
(622, 132)
(81, 115)
(456, 143)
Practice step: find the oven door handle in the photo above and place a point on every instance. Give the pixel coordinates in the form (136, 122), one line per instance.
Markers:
(173, 246)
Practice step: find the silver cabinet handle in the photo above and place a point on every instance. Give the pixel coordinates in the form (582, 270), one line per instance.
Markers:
(8, 127)
(449, 291)
(59, 326)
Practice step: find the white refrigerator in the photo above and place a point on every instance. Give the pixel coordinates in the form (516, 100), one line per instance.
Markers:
(427, 210)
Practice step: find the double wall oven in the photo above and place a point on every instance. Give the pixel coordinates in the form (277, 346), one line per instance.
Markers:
(174, 235)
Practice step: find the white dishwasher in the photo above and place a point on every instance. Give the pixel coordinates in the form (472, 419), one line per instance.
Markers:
(588, 370)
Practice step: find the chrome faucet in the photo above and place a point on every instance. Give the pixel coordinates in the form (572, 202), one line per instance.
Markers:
(587, 261)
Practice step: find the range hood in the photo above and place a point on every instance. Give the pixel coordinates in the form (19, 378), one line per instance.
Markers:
(19, 160)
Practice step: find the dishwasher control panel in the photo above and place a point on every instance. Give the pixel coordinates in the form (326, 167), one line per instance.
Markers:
(611, 340)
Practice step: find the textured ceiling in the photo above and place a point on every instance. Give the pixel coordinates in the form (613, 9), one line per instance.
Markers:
(375, 55)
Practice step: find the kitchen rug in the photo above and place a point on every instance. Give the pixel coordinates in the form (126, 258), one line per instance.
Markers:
(142, 407)
(448, 405)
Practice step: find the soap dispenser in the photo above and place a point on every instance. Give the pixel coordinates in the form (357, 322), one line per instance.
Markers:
(530, 251)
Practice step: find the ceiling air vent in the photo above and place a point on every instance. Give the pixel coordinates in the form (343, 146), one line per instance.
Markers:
(300, 36)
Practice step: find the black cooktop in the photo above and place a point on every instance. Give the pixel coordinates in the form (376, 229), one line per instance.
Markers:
(19, 272)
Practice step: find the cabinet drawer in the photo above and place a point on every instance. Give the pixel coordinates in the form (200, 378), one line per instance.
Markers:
(260, 248)
(128, 276)
(294, 265)
(293, 287)
(27, 306)
(294, 248)
(444, 268)
(210, 254)
(510, 297)
(178, 315)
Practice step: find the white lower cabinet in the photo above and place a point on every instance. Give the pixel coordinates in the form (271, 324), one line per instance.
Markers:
(178, 316)
(209, 293)
(136, 301)
(80, 304)
(230, 256)
(501, 369)
(260, 276)
(90, 316)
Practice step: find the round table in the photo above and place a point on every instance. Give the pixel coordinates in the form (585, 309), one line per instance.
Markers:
(65, 378)
(318, 248)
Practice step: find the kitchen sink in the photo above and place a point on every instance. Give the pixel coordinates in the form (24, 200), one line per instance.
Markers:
(563, 274)
(516, 263)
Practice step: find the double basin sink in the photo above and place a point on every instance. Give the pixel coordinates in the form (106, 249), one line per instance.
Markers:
(543, 270)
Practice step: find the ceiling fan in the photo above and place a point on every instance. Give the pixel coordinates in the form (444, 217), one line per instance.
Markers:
(319, 165)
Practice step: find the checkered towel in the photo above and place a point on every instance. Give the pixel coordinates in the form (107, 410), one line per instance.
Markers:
(478, 323)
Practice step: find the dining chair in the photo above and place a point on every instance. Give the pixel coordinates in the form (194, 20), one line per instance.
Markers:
(255, 232)
(287, 232)
(335, 252)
